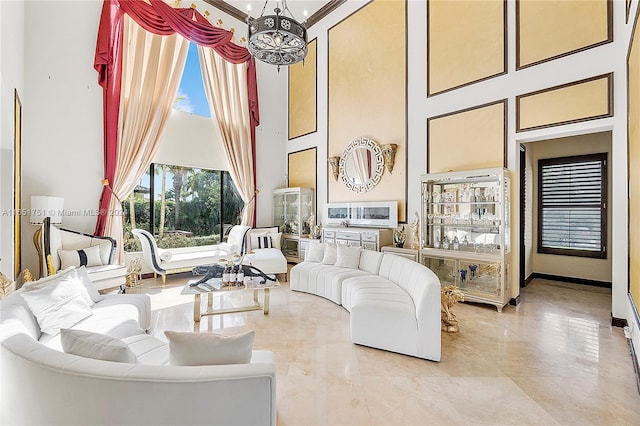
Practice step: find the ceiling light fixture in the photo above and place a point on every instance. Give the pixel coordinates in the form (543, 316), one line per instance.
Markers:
(277, 39)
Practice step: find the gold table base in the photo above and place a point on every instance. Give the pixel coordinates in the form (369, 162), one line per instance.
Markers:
(210, 311)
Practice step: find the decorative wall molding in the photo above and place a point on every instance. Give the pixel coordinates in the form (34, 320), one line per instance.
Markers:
(479, 144)
(590, 99)
(303, 94)
(475, 34)
(552, 32)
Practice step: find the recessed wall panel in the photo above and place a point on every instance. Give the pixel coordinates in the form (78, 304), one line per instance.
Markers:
(465, 42)
(470, 139)
(367, 94)
(569, 103)
(549, 29)
(303, 117)
(302, 168)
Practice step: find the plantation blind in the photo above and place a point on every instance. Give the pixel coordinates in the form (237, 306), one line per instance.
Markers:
(572, 197)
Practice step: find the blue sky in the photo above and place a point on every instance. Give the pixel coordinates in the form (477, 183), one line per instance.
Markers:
(191, 89)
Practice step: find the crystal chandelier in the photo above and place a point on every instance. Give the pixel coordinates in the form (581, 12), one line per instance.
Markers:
(277, 39)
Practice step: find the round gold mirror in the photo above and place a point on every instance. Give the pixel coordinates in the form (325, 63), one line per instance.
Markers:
(361, 165)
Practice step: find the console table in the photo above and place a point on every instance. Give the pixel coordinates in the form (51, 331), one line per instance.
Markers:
(367, 238)
(401, 251)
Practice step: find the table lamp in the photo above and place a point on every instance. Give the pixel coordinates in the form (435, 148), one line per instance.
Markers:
(44, 206)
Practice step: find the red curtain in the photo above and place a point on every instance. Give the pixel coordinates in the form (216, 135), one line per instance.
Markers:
(156, 17)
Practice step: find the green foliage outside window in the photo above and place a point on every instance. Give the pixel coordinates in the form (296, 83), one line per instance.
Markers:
(191, 207)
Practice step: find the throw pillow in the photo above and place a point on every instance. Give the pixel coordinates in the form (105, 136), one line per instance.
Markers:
(209, 348)
(315, 252)
(330, 254)
(57, 303)
(259, 241)
(275, 239)
(83, 277)
(348, 257)
(165, 255)
(89, 256)
(97, 346)
(76, 276)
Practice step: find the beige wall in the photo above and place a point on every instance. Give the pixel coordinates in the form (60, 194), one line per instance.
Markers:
(570, 266)
(367, 94)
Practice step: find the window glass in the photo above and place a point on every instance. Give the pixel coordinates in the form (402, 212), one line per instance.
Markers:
(191, 207)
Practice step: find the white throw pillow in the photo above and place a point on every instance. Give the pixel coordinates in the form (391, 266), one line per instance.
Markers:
(89, 256)
(315, 252)
(275, 239)
(165, 255)
(83, 277)
(330, 254)
(97, 346)
(348, 257)
(58, 303)
(209, 348)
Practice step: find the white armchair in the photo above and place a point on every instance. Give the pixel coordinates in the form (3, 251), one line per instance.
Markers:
(184, 259)
(66, 247)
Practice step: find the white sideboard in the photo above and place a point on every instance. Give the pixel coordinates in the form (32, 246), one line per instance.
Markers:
(367, 238)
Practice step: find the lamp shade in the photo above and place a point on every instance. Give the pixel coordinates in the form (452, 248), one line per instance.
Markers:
(43, 206)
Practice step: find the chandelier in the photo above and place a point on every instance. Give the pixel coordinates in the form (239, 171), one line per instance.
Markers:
(277, 39)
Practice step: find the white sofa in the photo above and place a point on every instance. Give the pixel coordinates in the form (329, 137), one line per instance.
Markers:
(394, 302)
(43, 385)
(54, 239)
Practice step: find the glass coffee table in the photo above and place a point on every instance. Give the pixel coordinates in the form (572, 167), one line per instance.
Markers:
(214, 286)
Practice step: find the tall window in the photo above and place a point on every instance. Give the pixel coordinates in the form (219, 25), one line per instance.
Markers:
(572, 202)
(182, 207)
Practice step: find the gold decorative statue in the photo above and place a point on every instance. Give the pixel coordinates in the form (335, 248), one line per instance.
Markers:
(450, 295)
(6, 286)
(27, 276)
(134, 273)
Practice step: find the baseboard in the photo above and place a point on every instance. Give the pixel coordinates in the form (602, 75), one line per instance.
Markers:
(515, 301)
(618, 322)
(636, 363)
(583, 281)
(527, 280)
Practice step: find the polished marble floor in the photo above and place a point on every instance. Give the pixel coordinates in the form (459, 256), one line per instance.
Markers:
(553, 360)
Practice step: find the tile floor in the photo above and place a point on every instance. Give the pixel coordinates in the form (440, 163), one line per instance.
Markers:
(552, 360)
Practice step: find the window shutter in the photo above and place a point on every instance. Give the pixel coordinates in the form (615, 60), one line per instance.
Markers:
(573, 200)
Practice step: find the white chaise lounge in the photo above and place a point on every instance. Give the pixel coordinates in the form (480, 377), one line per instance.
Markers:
(269, 260)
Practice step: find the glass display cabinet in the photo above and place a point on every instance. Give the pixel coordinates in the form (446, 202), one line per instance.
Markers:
(292, 209)
(465, 232)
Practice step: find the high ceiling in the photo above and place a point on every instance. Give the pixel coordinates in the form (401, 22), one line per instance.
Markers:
(297, 7)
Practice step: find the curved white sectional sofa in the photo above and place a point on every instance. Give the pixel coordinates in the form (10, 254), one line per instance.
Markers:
(41, 384)
(394, 302)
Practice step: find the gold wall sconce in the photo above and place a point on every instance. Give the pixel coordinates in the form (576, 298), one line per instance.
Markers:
(389, 154)
(334, 162)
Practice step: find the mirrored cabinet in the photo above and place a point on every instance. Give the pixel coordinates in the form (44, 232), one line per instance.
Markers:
(292, 209)
(465, 232)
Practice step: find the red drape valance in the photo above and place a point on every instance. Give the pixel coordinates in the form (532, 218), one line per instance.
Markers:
(156, 17)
